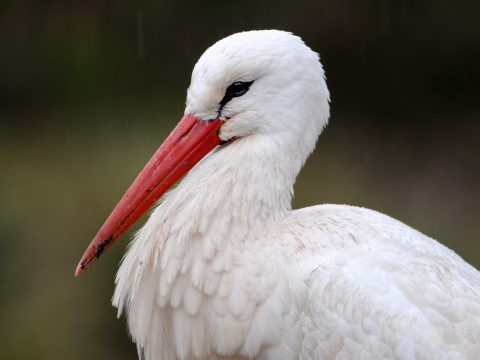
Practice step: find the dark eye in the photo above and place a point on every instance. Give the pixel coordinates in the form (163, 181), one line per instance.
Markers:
(236, 89)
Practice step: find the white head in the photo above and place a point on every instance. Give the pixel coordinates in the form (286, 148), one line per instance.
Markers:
(288, 93)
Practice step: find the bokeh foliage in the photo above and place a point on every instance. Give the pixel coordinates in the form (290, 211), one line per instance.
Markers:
(89, 89)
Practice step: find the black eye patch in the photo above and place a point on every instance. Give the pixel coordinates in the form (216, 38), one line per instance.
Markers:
(236, 89)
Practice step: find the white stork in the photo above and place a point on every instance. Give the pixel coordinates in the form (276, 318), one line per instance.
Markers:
(224, 268)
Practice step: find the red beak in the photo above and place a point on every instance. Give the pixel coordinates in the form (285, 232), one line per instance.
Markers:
(188, 143)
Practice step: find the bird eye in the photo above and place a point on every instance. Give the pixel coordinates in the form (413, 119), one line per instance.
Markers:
(236, 89)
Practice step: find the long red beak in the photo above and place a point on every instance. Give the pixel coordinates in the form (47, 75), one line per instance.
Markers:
(188, 143)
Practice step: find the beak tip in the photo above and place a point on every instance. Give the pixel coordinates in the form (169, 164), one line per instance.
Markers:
(82, 266)
(93, 252)
(78, 271)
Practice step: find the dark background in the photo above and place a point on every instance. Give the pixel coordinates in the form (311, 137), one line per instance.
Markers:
(89, 89)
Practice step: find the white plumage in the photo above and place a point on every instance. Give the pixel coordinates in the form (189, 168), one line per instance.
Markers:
(224, 269)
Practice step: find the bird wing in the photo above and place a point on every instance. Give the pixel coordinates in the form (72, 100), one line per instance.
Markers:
(368, 286)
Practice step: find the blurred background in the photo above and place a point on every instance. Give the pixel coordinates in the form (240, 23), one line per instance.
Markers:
(88, 90)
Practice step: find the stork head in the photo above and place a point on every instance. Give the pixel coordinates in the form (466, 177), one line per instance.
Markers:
(255, 80)
(251, 84)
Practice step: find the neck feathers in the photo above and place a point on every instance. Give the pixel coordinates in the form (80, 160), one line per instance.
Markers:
(226, 201)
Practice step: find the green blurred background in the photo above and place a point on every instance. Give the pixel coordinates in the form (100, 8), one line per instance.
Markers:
(89, 89)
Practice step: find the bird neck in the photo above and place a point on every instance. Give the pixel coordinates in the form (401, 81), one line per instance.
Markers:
(226, 203)
(227, 200)
(231, 194)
